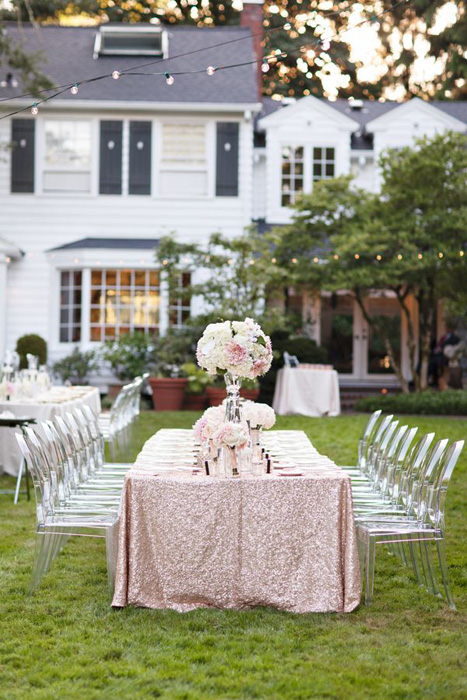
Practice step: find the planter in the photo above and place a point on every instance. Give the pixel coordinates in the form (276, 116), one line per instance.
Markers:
(216, 394)
(194, 402)
(167, 392)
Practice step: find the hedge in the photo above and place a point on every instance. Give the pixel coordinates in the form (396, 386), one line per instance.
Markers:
(452, 402)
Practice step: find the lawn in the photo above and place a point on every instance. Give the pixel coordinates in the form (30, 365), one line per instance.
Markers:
(66, 642)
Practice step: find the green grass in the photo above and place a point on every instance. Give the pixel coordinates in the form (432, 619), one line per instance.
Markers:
(66, 642)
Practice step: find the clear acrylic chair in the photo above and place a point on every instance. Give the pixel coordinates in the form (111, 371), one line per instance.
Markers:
(56, 524)
(422, 524)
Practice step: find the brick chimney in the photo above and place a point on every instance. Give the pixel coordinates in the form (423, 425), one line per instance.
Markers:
(252, 16)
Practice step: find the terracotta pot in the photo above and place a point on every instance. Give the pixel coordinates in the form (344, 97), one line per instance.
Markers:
(251, 394)
(114, 390)
(194, 402)
(215, 395)
(167, 392)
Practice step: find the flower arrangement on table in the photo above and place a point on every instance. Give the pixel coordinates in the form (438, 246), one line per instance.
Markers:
(238, 347)
(233, 435)
(258, 415)
(210, 421)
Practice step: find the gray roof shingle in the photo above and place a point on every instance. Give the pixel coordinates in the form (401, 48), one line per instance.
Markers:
(68, 54)
(111, 244)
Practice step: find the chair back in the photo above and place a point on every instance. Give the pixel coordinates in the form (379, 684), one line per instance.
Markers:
(410, 464)
(436, 484)
(368, 431)
(395, 466)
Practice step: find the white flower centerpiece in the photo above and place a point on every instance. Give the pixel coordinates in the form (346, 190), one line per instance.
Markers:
(259, 416)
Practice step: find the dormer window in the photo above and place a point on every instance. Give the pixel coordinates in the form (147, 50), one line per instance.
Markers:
(130, 40)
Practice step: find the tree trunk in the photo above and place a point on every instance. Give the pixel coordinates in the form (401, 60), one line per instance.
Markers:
(412, 346)
(427, 306)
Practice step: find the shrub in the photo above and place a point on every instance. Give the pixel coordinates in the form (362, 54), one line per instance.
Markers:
(76, 367)
(452, 402)
(173, 350)
(131, 355)
(304, 348)
(34, 345)
(198, 379)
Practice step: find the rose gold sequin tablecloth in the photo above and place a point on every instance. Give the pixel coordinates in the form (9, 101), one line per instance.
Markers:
(188, 541)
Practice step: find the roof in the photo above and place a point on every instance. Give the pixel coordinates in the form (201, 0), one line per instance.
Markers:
(110, 244)
(68, 53)
(371, 109)
(10, 250)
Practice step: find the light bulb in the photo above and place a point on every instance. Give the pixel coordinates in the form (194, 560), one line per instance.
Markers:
(169, 79)
(210, 70)
(273, 260)
(74, 89)
(440, 255)
(378, 257)
(356, 256)
(34, 109)
(399, 257)
(294, 260)
(461, 253)
(265, 67)
(420, 256)
(116, 74)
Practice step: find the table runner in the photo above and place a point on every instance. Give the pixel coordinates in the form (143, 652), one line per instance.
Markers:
(307, 392)
(189, 541)
(44, 407)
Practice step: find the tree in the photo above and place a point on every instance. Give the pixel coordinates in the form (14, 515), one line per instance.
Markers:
(410, 239)
(238, 274)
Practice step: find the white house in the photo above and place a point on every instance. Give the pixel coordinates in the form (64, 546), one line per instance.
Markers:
(90, 183)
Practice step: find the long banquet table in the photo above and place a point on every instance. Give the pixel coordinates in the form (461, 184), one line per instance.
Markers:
(55, 402)
(307, 392)
(186, 540)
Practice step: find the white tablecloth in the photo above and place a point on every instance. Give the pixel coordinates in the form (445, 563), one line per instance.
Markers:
(10, 455)
(307, 392)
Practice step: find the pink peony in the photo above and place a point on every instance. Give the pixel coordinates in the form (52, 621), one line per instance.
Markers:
(236, 354)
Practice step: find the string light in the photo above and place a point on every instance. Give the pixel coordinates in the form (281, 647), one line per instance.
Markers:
(294, 260)
(356, 256)
(315, 260)
(169, 79)
(252, 262)
(273, 260)
(165, 262)
(378, 257)
(210, 70)
(440, 255)
(399, 257)
(336, 257)
(419, 256)
(74, 89)
(461, 253)
(265, 67)
(116, 74)
(230, 261)
(34, 109)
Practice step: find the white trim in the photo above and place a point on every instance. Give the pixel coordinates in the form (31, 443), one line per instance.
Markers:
(133, 105)
(309, 105)
(414, 105)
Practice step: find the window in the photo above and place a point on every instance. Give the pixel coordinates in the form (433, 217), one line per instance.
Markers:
(70, 306)
(184, 161)
(130, 41)
(123, 301)
(292, 174)
(67, 156)
(181, 306)
(323, 163)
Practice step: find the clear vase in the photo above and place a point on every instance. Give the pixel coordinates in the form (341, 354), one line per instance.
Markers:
(229, 461)
(232, 406)
(256, 447)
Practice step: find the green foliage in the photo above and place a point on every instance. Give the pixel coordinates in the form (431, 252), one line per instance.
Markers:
(198, 379)
(32, 344)
(131, 355)
(25, 66)
(451, 403)
(238, 273)
(66, 641)
(173, 350)
(389, 241)
(76, 367)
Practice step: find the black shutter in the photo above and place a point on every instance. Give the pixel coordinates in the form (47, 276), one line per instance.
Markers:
(22, 155)
(140, 158)
(110, 175)
(227, 160)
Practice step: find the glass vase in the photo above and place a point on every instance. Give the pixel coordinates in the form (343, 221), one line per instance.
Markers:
(229, 461)
(232, 405)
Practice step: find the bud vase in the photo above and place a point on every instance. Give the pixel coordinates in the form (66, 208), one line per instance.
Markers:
(229, 461)
(255, 434)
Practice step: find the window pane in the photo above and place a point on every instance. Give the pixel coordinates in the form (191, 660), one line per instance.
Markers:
(95, 333)
(329, 154)
(68, 144)
(154, 279)
(184, 143)
(96, 277)
(317, 170)
(77, 279)
(111, 278)
(329, 169)
(64, 334)
(140, 278)
(317, 153)
(125, 278)
(70, 306)
(65, 279)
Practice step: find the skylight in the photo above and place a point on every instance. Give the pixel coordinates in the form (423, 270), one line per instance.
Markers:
(129, 40)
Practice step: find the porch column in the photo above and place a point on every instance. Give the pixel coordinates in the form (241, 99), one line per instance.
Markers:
(3, 304)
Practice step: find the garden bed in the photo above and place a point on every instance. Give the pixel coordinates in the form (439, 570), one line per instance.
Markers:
(452, 402)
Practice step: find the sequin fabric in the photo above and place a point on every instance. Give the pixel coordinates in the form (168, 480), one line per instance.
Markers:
(187, 540)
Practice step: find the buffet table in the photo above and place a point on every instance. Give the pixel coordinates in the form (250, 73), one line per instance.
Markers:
(55, 401)
(187, 540)
(307, 392)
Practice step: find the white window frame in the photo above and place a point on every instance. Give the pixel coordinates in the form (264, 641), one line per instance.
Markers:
(41, 165)
(284, 211)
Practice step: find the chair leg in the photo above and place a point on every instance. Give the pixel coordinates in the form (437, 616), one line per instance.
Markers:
(41, 558)
(370, 570)
(414, 561)
(18, 480)
(427, 561)
(441, 547)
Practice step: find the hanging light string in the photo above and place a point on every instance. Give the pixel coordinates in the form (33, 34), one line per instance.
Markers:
(210, 70)
(439, 256)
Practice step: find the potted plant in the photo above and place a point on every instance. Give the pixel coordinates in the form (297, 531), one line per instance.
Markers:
(195, 391)
(217, 392)
(129, 356)
(75, 368)
(169, 382)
